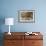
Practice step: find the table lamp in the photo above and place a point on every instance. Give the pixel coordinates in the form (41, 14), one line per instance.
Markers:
(9, 21)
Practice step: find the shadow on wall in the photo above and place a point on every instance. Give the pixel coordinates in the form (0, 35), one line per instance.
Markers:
(2, 21)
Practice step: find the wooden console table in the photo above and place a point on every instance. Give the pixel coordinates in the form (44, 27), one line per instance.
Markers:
(20, 39)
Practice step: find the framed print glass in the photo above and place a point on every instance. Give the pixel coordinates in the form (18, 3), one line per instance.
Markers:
(26, 16)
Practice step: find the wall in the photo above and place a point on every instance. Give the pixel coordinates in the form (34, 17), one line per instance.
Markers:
(9, 8)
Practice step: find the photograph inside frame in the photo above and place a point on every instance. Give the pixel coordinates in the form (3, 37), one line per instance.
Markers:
(26, 15)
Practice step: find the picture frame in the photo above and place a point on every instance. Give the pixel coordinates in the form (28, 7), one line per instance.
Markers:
(26, 16)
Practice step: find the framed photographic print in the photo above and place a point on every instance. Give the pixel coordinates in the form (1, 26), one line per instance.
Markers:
(26, 16)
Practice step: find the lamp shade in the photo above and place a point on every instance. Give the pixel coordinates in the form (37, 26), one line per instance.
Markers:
(9, 21)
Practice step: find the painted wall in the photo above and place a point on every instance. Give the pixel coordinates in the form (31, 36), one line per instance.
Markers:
(9, 8)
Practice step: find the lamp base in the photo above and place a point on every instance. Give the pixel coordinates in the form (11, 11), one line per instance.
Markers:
(9, 33)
